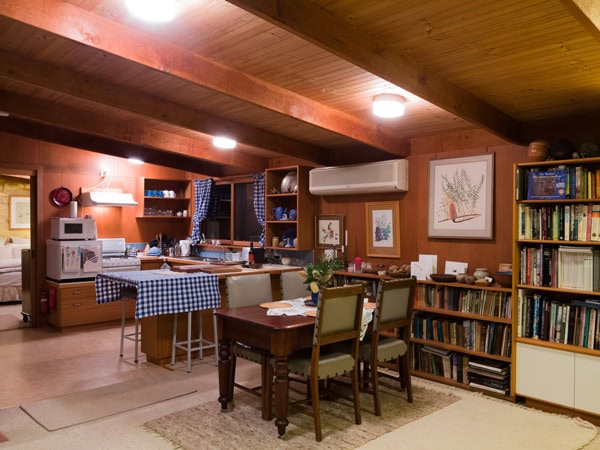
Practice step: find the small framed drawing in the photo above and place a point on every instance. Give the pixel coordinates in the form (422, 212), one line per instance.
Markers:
(328, 231)
(20, 215)
(461, 194)
(383, 229)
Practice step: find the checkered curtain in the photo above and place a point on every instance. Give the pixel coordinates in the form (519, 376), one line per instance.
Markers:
(202, 190)
(259, 203)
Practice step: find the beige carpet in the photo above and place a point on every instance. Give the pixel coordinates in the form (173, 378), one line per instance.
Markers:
(243, 427)
(85, 406)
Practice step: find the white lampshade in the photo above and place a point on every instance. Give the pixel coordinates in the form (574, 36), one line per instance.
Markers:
(224, 142)
(153, 10)
(388, 105)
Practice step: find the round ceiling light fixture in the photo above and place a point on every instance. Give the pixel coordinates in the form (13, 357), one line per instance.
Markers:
(388, 106)
(153, 10)
(224, 142)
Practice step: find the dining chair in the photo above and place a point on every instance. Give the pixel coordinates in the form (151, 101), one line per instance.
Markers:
(293, 286)
(393, 311)
(247, 290)
(338, 319)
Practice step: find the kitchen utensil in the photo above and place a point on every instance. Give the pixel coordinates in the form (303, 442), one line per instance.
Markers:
(61, 196)
(289, 183)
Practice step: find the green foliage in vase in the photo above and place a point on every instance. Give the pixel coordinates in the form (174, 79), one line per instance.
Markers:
(320, 273)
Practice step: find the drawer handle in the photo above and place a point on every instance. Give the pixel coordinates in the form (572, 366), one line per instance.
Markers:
(76, 304)
(76, 292)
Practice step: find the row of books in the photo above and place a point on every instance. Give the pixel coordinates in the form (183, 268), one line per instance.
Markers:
(574, 323)
(474, 301)
(561, 182)
(486, 337)
(562, 266)
(440, 362)
(576, 222)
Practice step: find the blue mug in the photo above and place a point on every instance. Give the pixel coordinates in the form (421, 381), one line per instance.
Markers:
(293, 214)
(279, 212)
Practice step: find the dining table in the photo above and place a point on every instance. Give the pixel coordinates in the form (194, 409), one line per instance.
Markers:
(272, 330)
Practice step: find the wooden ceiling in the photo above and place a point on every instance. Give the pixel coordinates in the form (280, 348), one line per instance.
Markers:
(295, 78)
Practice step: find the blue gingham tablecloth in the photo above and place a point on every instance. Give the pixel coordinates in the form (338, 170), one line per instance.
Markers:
(161, 291)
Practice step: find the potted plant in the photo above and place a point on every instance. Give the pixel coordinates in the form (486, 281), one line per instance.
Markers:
(319, 275)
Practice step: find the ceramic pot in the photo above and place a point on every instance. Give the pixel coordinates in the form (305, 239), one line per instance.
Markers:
(538, 151)
(480, 273)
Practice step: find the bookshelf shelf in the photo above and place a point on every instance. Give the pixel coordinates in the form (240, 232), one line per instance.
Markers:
(556, 262)
(456, 325)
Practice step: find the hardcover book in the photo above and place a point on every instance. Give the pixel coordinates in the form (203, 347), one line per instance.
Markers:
(546, 184)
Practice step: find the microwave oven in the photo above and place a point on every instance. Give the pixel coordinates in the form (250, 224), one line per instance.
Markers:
(73, 228)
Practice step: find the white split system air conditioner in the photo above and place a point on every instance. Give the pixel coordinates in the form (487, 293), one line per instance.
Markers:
(382, 176)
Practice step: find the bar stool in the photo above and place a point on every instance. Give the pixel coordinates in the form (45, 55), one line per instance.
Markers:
(129, 293)
(187, 345)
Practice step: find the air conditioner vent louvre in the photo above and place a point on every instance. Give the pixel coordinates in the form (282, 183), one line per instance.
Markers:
(382, 176)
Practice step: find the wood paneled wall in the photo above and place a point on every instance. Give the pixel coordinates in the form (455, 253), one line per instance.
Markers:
(414, 238)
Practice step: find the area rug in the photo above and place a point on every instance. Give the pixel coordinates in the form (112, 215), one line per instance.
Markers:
(11, 322)
(477, 422)
(85, 406)
(205, 426)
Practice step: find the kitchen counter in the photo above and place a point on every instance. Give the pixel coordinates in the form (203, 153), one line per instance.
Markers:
(157, 331)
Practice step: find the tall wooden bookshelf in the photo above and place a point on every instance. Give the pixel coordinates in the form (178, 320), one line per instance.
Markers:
(457, 323)
(556, 264)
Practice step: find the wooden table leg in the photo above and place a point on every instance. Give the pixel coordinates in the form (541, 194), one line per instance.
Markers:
(225, 377)
(282, 383)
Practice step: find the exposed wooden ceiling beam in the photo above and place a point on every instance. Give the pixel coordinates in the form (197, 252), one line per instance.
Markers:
(587, 13)
(75, 120)
(71, 22)
(73, 84)
(315, 24)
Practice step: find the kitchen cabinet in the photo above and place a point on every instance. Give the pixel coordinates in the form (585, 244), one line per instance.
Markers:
(76, 305)
(302, 227)
(163, 199)
(556, 259)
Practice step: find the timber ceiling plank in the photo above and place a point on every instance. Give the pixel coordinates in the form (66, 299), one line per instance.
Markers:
(89, 29)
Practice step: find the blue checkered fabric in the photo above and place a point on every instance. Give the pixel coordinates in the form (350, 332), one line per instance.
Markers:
(161, 291)
(259, 203)
(202, 190)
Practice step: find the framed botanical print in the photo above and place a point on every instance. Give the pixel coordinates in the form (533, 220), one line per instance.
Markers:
(20, 216)
(328, 231)
(383, 229)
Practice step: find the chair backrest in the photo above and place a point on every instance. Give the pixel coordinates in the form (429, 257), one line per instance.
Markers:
(246, 290)
(339, 315)
(395, 300)
(293, 286)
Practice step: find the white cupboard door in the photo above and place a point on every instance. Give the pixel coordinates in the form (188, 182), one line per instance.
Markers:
(587, 377)
(545, 374)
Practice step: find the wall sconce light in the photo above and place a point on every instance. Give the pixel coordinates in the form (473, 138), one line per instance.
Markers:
(136, 161)
(223, 142)
(388, 105)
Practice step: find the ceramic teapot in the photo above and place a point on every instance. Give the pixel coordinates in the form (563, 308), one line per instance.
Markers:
(279, 212)
(292, 214)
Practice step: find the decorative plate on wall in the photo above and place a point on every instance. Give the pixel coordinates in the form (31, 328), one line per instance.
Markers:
(61, 196)
(289, 183)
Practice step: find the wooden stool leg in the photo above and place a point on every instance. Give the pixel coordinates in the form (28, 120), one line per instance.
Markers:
(173, 348)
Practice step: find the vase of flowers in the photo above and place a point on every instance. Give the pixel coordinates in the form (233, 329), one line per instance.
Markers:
(319, 275)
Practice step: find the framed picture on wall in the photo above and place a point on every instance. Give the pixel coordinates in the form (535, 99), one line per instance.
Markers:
(461, 195)
(383, 229)
(20, 214)
(328, 231)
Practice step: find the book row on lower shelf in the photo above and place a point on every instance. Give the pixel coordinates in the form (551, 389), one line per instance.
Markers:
(480, 373)
(542, 317)
(475, 335)
(466, 299)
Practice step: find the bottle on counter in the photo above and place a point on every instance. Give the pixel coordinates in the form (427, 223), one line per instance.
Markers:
(251, 254)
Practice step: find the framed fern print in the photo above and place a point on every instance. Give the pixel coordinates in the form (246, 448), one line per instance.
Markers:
(461, 196)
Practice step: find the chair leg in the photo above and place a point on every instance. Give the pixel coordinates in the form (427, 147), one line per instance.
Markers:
(267, 389)
(316, 406)
(173, 348)
(216, 340)
(136, 340)
(201, 343)
(189, 342)
(232, 380)
(375, 388)
(356, 395)
(404, 372)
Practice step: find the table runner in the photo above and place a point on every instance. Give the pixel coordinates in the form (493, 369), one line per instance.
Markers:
(161, 291)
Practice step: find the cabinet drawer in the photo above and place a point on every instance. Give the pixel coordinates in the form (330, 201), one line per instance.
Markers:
(77, 292)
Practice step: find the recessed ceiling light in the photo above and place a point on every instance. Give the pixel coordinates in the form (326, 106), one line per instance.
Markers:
(153, 10)
(136, 161)
(223, 142)
(388, 105)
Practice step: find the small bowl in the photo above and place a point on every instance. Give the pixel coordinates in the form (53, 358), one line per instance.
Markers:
(443, 277)
(460, 278)
(482, 282)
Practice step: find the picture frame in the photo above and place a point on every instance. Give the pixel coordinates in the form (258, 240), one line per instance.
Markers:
(20, 213)
(383, 229)
(329, 230)
(461, 196)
